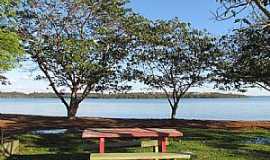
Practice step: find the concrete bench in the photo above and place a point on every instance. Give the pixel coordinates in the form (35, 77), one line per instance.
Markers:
(9, 147)
(151, 143)
(141, 156)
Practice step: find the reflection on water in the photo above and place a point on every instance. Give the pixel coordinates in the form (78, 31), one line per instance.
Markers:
(254, 108)
(259, 140)
(56, 131)
(49, 131)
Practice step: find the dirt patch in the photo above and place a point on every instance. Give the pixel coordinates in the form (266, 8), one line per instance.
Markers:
(13, 122)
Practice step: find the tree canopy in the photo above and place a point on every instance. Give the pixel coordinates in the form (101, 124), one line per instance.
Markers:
(10, 48)
(246, 60)
(173, 57)
(79, 46)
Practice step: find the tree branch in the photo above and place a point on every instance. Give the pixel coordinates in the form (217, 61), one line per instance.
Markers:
(85, 93)
(262, 8)
(263, 86)
(52, 84)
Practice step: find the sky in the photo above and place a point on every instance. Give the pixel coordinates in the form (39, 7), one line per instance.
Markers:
(196, 12)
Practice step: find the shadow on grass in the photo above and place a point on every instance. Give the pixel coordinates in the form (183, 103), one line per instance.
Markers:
(50, 157)
(56, 143)
(70, 146)
(236, 142)
(67, 146)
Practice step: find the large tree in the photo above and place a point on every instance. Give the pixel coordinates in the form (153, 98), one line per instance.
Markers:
(79, 45)
(10, 48)
(246, 59)
(173, 57)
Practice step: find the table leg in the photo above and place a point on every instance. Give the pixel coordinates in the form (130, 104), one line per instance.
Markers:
(155, 149)
(101, 145)
(162, 142)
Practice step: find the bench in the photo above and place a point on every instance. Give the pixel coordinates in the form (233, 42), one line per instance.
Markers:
(152, 143)
(159, 138)
(8, 146)
(141, 156)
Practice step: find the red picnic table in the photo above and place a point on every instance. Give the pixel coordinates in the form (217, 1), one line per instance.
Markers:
(153, 133)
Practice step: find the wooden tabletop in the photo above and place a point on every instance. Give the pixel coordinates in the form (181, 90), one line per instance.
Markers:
(130, 133)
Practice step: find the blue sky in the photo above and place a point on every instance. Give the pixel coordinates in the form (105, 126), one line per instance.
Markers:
(196, 12)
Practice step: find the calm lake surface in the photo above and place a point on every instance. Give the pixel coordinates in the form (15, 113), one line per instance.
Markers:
(252, 108)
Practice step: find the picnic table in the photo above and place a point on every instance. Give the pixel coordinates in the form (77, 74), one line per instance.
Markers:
(109, 133)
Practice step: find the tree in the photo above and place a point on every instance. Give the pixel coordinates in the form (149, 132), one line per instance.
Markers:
(172, 57)
(258, 9)
(246, 59)
(79, 45)
(10, 48)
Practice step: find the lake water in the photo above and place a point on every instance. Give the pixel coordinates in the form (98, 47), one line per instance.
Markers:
(253, 108)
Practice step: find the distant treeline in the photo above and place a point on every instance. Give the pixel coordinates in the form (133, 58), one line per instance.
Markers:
(138, 95)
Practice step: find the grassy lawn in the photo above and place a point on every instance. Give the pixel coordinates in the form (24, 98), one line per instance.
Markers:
(204, 144)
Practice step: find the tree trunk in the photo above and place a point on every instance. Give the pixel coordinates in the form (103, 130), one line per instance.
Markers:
(174, 109)
(72, 111)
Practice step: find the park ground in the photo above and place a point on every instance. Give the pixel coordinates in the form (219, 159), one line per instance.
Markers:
(205, 140)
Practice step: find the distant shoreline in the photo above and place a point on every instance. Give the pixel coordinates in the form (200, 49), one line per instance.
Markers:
(137, 95)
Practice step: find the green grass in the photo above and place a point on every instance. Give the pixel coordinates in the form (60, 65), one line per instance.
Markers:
(203, 144)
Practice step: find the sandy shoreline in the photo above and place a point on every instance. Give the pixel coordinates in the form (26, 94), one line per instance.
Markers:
(14, 122)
